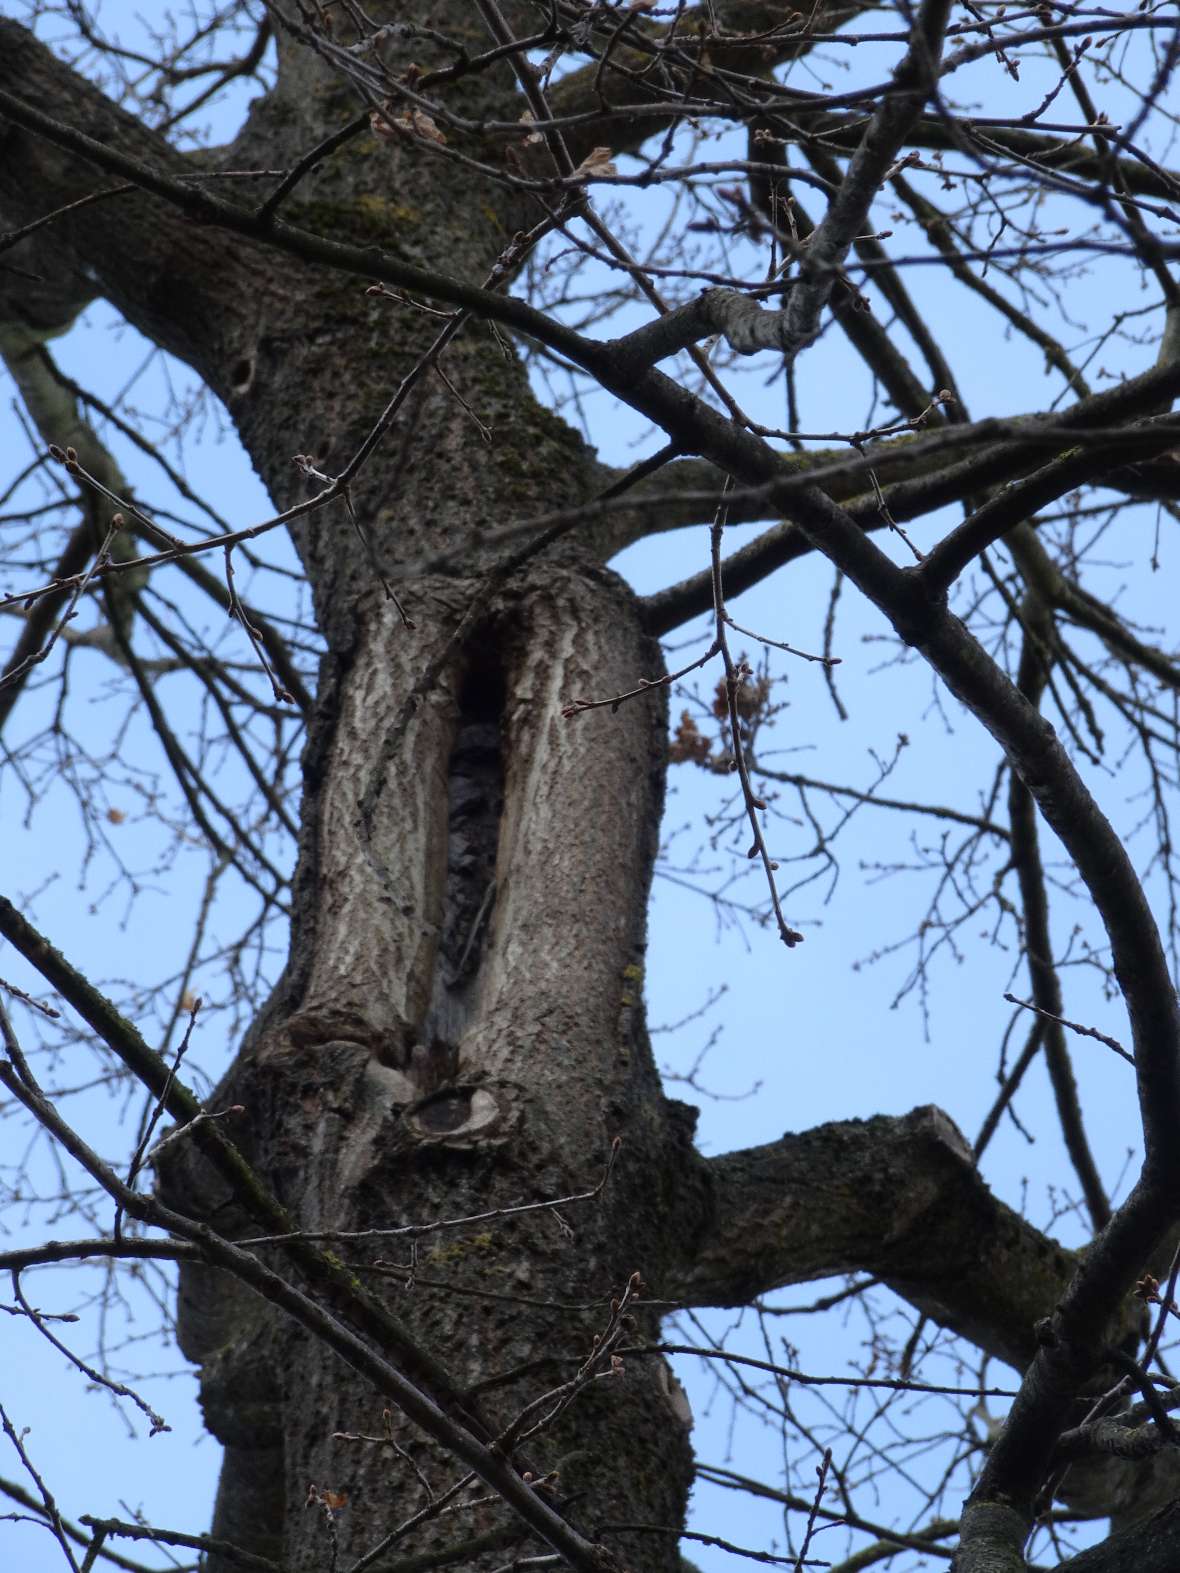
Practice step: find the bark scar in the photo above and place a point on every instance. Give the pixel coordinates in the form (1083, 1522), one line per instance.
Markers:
(475, 805)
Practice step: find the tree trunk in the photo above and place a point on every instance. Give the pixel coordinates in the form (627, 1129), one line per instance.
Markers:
(436, 1052)
(460, 1026)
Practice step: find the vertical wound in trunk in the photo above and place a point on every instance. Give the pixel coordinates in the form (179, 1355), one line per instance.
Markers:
(475, 800)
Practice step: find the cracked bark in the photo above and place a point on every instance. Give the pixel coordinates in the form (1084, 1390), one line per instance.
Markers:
(900, 1198)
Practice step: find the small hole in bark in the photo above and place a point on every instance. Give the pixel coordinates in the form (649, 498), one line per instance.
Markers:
(242, 376)
(446, 1111)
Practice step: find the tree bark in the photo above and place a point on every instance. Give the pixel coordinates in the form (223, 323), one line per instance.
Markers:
(392, 1086)
(460, 1024)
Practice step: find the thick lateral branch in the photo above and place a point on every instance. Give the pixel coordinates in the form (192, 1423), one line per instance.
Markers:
(1033, 749)
(187, 257)
(1019, 502)
(745, 326)
(899, 1198)
(183, 285)
(929, 484)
